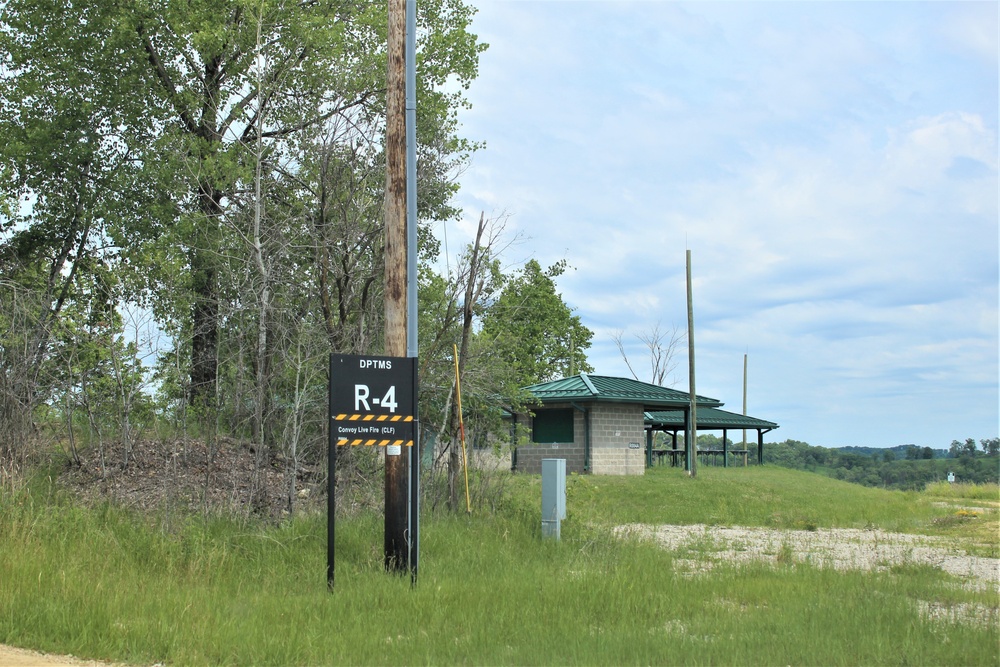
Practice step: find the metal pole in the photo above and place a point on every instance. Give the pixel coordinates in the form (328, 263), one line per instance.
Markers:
(331, 488)
(411, 178)
(461, 430)
(413, 543)
(725, 449)
(649, 448)
(412, 349)
(693, 445)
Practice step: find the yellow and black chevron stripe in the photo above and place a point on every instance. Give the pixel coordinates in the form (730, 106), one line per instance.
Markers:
(372, 418)
(372, 442)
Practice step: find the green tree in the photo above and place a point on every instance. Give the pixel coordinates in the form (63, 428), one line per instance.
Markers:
(224, 161)
(963, 449)
(197, 94)
(532, 330)
(451, 308)
(955, 449)
(65, 182)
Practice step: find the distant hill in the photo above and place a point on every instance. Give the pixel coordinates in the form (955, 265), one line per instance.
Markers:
(900, 467)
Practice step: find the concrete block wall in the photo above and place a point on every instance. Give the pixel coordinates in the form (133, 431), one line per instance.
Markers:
(529, 456)
(613, 427)
(529, 459)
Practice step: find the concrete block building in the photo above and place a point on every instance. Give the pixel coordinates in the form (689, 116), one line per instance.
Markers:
(598, 423)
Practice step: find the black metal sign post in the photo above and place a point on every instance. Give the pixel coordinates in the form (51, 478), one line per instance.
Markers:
(413, 499)
(373, 404)
(331, 484)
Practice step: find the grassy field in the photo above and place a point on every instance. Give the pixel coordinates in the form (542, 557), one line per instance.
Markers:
(106, 584)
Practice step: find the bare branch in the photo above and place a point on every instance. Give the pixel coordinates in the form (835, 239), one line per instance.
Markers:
(164, 77)
(661, 346)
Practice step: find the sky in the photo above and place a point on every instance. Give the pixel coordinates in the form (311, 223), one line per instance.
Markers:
(832, 168)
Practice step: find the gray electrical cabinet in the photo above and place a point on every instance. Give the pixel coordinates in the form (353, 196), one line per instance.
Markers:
(553, 496)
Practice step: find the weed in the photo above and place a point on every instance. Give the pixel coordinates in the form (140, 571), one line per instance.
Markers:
(806, 524)
(961, 490)
(785, 555)
(958, 518)
(490, 591)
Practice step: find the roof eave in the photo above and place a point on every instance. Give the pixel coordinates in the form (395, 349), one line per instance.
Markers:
(674, 405)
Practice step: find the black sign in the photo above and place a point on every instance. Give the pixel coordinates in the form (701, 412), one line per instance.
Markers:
(372, 401)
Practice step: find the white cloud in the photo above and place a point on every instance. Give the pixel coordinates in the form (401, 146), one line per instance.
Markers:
(921, 154)
(971, 27)
(832, 166)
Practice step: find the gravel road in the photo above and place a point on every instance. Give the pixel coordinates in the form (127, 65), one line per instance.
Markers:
(841, 548)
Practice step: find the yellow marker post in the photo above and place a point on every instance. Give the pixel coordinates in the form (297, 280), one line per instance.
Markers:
(461, 431)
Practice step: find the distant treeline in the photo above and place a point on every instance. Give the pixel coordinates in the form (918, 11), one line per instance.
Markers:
(901, 467)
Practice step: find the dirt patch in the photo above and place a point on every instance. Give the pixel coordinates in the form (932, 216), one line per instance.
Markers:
(227, 477)
(19, 657)
(832, 547)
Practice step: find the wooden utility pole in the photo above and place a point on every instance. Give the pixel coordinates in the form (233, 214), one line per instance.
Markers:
(396, 466)
(744, 398)
(692, 446)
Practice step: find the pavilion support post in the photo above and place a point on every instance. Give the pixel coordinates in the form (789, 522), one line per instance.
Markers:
(725, 449)
(760, 447)
(649, 448)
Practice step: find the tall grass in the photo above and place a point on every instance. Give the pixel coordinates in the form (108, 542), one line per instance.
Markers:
(990, 492)
(103, 583)
(754, 496)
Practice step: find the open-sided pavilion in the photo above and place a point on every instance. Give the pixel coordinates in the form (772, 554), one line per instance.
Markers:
(706, 419)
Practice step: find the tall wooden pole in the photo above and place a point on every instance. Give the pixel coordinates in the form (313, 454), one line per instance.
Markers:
(396, 466)
(744, 398)
(692, 446)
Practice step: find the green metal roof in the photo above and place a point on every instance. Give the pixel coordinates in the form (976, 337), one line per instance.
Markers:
(708, 418)
(584, 387)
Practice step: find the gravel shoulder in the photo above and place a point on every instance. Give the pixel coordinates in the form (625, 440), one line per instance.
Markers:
(840, 548)
(11, 656)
